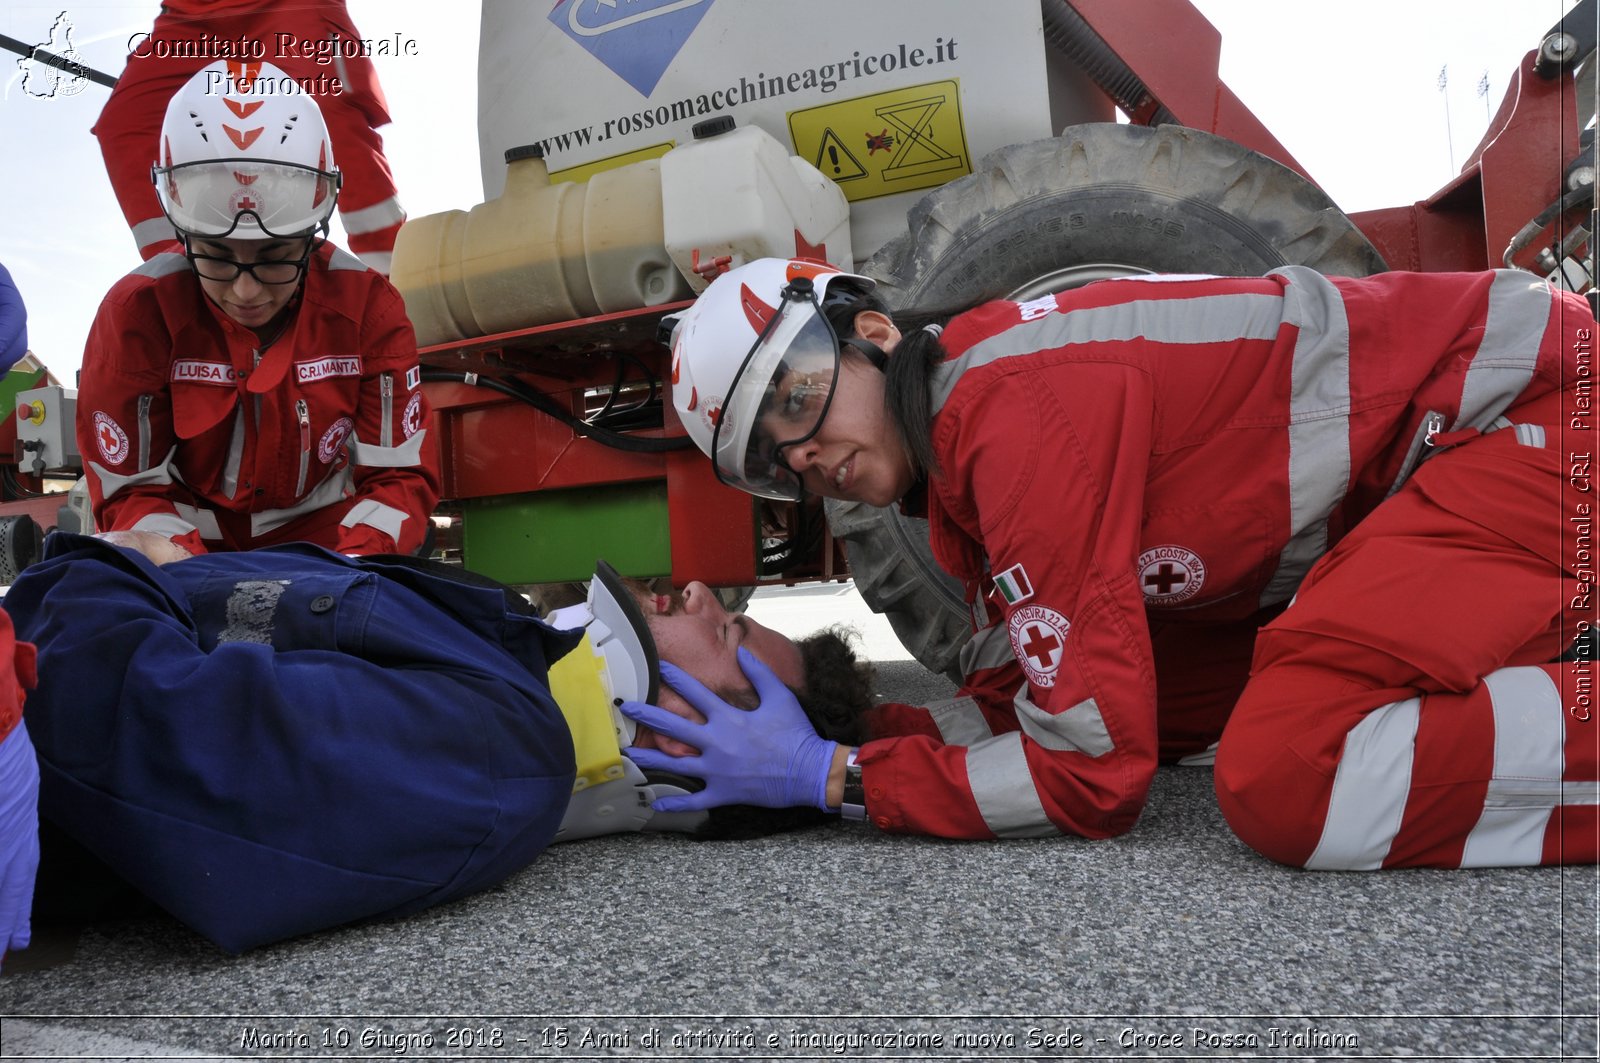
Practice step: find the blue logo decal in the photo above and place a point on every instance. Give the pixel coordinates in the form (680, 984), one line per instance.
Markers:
(637, 39)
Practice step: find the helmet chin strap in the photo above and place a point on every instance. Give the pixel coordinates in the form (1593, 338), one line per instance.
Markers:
(868, 350)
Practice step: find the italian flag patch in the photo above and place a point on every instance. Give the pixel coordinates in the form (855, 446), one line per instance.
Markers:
(1013, 585)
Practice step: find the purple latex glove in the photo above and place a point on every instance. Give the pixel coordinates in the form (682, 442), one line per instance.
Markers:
(769, 756)
(19, 836)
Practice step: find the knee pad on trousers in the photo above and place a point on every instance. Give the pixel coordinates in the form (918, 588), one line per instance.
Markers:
(1274, 804)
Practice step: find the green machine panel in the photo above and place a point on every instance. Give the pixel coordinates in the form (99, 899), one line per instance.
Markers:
(555, 536)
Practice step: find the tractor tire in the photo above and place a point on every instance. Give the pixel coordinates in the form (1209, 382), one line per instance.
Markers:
(1098, 201)
(21, 543)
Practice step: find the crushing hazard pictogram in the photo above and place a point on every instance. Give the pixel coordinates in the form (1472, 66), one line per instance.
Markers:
(916, 152)
(889, 142)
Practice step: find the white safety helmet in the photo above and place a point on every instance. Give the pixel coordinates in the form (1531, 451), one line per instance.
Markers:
(754, 363)
(245, 153)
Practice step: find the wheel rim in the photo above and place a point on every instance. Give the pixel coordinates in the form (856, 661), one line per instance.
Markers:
(1069, 277)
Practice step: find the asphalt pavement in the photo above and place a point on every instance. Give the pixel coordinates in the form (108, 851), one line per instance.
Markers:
(1174, 941)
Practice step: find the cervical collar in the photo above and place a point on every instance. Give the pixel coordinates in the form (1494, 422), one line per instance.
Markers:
(615, 662)
(619, 635)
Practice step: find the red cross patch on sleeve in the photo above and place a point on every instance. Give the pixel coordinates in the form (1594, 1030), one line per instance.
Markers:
(1039, 639)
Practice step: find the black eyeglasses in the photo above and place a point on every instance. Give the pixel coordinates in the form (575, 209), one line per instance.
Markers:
(286, 271)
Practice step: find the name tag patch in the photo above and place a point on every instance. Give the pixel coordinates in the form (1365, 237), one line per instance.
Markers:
(323, 368)
(192, 371)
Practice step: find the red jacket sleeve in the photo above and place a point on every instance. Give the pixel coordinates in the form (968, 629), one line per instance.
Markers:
(395, 456)
(1045, 474)
(124, 425)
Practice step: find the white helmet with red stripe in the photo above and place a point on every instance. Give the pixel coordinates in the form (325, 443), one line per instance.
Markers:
(754, 362)
(245, 153)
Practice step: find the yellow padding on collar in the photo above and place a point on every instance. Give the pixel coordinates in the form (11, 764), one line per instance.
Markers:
(577, 682)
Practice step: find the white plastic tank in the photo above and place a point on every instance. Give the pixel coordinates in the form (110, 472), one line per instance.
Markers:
(735, 194)
(539, 252)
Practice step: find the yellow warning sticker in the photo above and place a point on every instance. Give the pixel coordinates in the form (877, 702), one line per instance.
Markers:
(579, 174)
(889, 142)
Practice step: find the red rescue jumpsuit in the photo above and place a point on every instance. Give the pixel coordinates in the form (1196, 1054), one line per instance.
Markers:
(1175, 455)
(189, 429)
(191, 34)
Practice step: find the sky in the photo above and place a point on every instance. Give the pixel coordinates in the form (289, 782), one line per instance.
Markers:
(1350, 87)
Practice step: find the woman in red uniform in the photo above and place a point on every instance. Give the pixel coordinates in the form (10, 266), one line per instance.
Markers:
(1380, 461)
(261, 386)
(314, 41)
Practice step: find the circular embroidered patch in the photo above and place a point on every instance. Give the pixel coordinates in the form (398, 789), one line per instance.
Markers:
(1170, 574)
(411, 420)
(1039, 639)
(333, 439)
(110, 438)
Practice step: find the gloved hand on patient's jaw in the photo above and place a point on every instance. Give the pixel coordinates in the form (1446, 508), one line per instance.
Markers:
(769, 756)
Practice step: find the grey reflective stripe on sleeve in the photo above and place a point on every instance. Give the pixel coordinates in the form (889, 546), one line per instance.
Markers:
(1002, 786)
(1208, 319)
(230, 467)
(1080, 729)
(111, 483)
(187, 519)
(380, 261)
(375, 514)
(1530, 735)
(370, 219)
(163, 264)
(1319, 424)
(201, 520)
(404, 456)
(169, 524)
(334, 489)
(1502, 367)
(1370, 789)
(988, 647)
(153, 231)
(1530, 435)
(960, 722)
(252, 607)
(342, 259)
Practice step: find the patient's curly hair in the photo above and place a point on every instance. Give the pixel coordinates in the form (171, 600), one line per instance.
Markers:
(836, 697)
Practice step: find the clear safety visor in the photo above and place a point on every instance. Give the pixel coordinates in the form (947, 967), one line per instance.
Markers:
(252, 198)
(778, 399)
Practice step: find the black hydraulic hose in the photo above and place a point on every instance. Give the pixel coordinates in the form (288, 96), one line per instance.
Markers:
(8, 475)
(1537, 225)
(546, 405)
